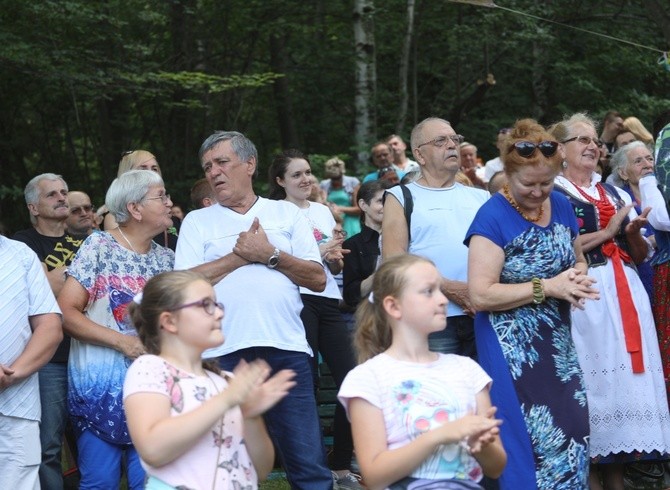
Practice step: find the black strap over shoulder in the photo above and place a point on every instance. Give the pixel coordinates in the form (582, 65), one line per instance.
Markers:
(409, 207)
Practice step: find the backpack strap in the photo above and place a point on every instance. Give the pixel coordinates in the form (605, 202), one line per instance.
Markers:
(408, 207)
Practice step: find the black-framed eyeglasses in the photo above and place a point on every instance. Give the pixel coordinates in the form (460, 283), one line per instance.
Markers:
(340, 233)
(87, 208)
(526, 149)
(584, 140)
(208, 304)
(164, 198)
(440, 141)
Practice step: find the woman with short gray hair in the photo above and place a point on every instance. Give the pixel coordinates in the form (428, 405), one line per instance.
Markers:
(110, 268)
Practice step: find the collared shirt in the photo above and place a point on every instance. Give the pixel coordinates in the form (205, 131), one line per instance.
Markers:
(25, 292)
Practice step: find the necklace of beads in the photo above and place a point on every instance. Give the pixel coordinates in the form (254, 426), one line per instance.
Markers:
(513, 203)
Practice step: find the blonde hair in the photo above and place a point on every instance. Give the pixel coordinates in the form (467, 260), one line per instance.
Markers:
(373, 333)
(132, 159)
(562, 130)
(635, 126)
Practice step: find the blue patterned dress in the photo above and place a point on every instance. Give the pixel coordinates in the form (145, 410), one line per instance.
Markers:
(111, 275)
(528, 351)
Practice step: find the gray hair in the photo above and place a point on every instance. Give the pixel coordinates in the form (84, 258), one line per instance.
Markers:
(417, 132)
(562, 130)
(32, 192)
(620, 159)
(129, 187)
(241, 145)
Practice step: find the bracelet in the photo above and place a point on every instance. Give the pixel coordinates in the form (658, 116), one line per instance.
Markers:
(538, 291)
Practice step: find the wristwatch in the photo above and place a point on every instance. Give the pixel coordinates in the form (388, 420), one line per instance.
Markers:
(274, 259)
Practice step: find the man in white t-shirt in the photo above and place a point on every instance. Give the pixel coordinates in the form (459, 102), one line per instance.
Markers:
(257, 252)
(495, 165)
(400, 160)
(442, 213)
(30, 331)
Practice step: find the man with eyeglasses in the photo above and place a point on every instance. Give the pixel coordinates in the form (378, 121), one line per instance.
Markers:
(381, 155)
(47, 200)
(79, 222)
(256, 252)
(442, 211)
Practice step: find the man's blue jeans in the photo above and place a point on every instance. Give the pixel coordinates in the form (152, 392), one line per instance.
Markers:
(457, 338)
(293, 424)
(53, 396)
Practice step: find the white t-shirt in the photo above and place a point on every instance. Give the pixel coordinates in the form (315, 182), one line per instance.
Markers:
(262, 304)
(223, 446)
(491, 167)
(321, 221)
(25, 292)
(440, 220)
(415, 398)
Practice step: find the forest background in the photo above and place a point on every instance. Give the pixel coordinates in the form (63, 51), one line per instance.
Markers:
(84, 80)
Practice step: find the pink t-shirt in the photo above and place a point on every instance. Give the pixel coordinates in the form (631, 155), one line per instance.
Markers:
(221, 454)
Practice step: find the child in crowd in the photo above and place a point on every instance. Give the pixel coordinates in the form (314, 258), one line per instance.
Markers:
(420, 419)
(193, 426)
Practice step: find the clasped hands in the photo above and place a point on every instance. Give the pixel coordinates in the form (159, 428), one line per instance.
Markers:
(572, 285)
(253, 245)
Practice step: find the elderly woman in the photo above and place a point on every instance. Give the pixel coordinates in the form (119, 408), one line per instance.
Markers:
(652, 197)
(615, 337)
(109, 270)
(525, 270)
(144, 160)
(627, 165)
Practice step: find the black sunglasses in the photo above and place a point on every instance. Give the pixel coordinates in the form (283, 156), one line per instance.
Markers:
(526, 149)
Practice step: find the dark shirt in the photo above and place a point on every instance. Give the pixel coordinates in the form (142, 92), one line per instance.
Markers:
(52, 252)
(360, 263)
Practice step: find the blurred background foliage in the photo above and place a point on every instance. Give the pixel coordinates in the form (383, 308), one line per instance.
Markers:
(84, 80)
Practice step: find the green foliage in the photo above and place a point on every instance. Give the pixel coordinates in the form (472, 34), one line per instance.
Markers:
(83, 80)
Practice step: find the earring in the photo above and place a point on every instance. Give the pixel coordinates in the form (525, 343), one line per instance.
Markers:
(565, 164)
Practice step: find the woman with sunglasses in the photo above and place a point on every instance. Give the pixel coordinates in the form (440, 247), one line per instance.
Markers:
(525, 271)
(615, 337)
(110, 268)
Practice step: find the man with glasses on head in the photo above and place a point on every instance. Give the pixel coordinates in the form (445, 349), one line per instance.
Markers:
(257, 252)
(47, 200)
(80, 223)
(496, 165)
(442, 211)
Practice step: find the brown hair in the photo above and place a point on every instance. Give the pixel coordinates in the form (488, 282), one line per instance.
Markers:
(528, 130)
(163, 292)
(373, 331)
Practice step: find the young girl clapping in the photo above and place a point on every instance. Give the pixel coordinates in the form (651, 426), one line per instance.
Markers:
(194, 427)
(419, 418)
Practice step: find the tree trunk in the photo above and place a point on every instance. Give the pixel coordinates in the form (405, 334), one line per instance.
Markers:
(280, 87)
(404, 68)
(366, 78)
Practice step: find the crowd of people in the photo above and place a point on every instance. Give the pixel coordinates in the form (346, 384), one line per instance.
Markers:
(511, 327)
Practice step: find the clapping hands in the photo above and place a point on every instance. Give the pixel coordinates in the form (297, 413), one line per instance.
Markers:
(255, 390)
(572, 285)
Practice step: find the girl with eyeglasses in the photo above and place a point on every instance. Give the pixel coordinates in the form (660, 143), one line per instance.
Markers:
(193, 425)
(615, 337)
(526, 270)
(326, 331)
